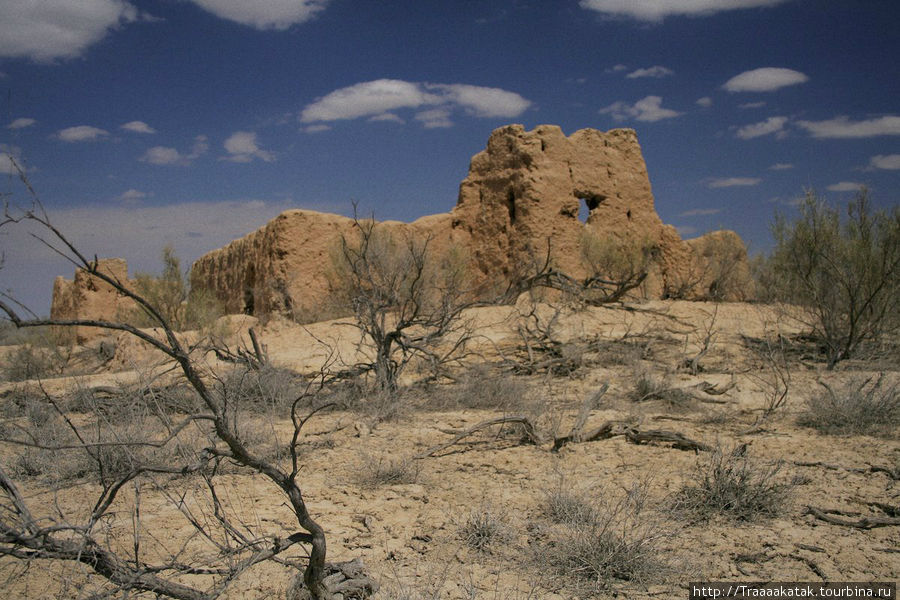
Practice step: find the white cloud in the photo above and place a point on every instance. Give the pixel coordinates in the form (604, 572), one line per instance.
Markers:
(49, 29)
(890, 162)
(380, 98)
(705, 102)
(648, 109)
(842, 127)
(367, 98)
(483, 101)
(132, 196)
(8, 154)
(723, 182)
(385, 117)
(656, 72)
(685, 230)
(748, 105)
(81, 133)
(243, 148)
(617, 68)
(700, 212)
(137, 127)
(163, 155)
(316, 128)
(657, 10)
(21, 123)
(845, 186)
(264, 14)
(435, 118)
(770, 125)
(767, 79)
(781, 167)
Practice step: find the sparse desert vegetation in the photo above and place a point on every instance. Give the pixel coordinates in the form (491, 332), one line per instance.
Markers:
(559, 446)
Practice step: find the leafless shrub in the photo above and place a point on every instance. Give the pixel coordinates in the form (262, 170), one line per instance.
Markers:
(732, 484)
(861, 407)
(619, 541)
(385, 469)
(407, 299)
(222, 544)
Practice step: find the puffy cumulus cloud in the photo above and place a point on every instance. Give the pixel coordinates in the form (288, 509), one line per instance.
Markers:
(769, 126)
(648, 109)
(657, 10)
(164, 155)
(380, 99)
(21, 123)
(655, 71)
(483, 101)
(242, 147)
(81, 133)
(766, 79)
(890, 162)
(748, 105)
(842, 127)
(845, 186)
(781, 167)
(137, 127)
(705, 102)
(724, 182)
(264, 14)
(46, 30)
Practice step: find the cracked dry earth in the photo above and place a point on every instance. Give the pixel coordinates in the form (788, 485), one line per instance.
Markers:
(415, 537)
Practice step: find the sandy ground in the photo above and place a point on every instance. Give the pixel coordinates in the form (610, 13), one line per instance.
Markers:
(409, 534)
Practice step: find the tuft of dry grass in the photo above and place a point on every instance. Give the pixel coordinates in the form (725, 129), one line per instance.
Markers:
(860, 407)
(597, 544)
(375, 471)
(484, 527)
(732, 484)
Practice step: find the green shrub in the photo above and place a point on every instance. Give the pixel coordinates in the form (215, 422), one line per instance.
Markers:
(845, 273)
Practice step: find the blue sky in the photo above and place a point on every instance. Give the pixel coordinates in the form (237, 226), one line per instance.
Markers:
(192, 122)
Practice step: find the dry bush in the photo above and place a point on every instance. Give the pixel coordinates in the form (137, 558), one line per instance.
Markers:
(384, 469)
(732, 484)
(484, 527)
(860, 407)
(569, 507)
(481, 388)
(615, 267)
(652, 386)
(608, 541)
(266, 390)
(406, 297)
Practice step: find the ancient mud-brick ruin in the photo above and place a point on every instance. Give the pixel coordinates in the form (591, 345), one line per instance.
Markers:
(88, 298)
(524, 189)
